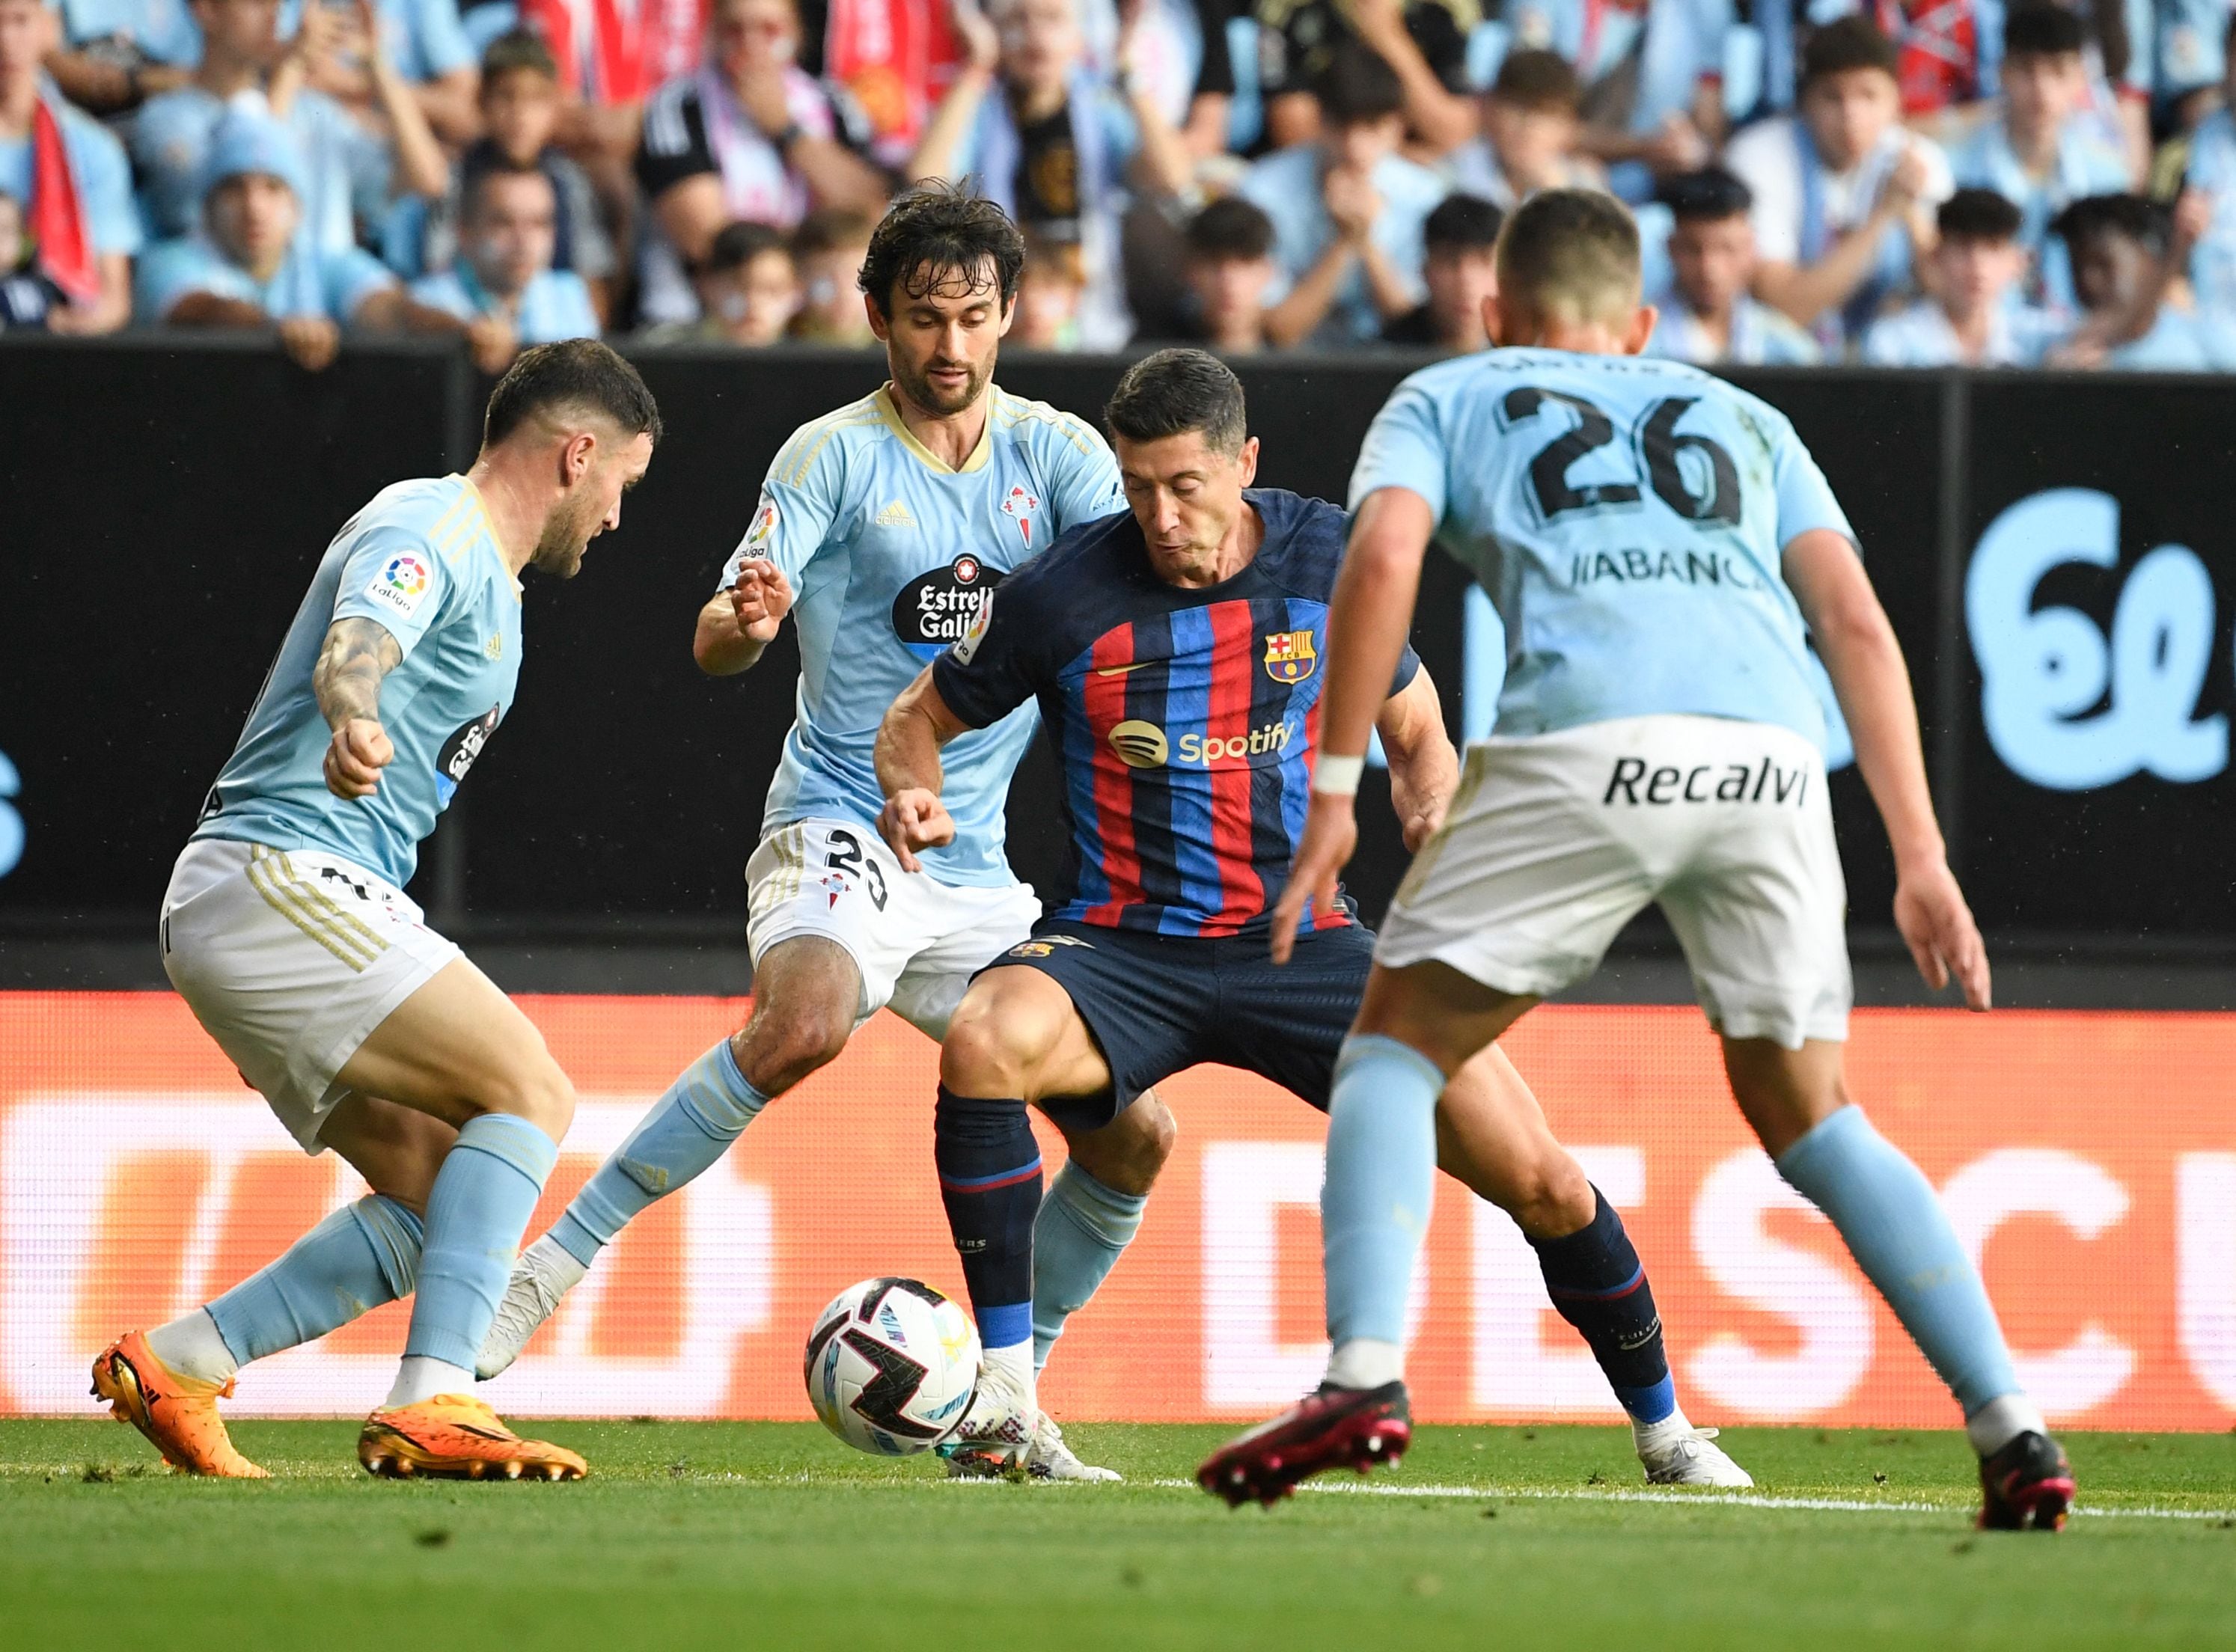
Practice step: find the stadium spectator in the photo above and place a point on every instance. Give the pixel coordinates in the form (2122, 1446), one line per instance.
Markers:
(253, 266)
(1459, 267)
(2190, 59)
(1843, 194)
(1651, 79)
(827, 250)
(1528, 142)
(891, 60)
(1347, 210)
(421, 38)
(26, 297)
(1228, 265)
(502, 285)
(346, 165)
(1709, 315)
(520, 104)
(1424, 42)
(2124, 255)
(1048, 294)
(748, 292)
(71, 179)
(2201, 171)
(1054, 143)
(2042, 150)
(1969, 319)
(114, 55)
(750, 135)
(608, 55)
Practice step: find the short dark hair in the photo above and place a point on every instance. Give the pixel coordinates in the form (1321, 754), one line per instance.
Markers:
(1979, 215)
(1229, 228)
(498, 166)
(1850, 42)
(1462, 223)
(1538, 80)
(2133, 216)
(518, 50)
(938, 238)
(1175, 392)
(739, 244)
(1358, 86)
(1570, 251)
(575, 374)
(1710, 195)
(2038, 31)
(828, 228)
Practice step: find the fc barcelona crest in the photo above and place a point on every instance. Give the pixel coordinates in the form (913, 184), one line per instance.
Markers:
(1290, 657)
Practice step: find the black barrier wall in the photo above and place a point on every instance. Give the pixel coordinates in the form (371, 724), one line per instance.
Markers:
(2047, 547)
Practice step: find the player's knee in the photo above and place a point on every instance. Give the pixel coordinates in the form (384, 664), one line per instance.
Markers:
(777, 1051)
(536, 1090)
(1552, 1197)
(988, 1052)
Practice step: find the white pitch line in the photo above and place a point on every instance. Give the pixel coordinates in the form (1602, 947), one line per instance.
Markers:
(1707, 1498)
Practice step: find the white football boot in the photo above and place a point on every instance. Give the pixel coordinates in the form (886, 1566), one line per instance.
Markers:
(1048, 1458)
(544, 1274)
(1690, 1457)
(996, 1434)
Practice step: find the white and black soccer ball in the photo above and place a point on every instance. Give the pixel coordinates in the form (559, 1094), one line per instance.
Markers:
(892, 1367)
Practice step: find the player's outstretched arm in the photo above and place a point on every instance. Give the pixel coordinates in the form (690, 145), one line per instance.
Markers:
(915, 726)
(1368, 614)
(1424, 770)
(739, 623)
(1865, 662)
(356, 655)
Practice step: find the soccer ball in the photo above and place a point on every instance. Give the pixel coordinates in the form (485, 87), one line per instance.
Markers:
(892, 1367)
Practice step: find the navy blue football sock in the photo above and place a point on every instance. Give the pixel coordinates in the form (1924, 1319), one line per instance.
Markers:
(1598, 1285)
(989, 1179)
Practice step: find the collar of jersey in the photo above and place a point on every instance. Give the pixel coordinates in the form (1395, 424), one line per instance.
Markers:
(889, 410)
(487, 535)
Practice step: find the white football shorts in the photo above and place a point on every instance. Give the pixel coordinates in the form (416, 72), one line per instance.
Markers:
(916, 940)
(290, 958)
(1555, 842)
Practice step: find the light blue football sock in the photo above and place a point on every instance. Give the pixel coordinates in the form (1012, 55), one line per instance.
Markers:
(1381, 1183)
(1083, 1228)
(1898, 1234)
(361, 1256)
(687, 1129)
(483, 1198)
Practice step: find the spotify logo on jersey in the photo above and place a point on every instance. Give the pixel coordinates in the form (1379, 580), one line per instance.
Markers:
(1139, 744)
(934, 610)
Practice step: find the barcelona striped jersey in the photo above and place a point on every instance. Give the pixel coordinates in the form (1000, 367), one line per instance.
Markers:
(1185, 719)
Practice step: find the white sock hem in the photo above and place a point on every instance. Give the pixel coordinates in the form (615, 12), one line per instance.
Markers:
(2002, 1420)
(1654, 1436)
(1366, 1362)
(191, 1347)
(420, 1377)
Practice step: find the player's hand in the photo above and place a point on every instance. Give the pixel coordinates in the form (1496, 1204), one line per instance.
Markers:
(1330, 835)
(760, 598)
(1418, 817)
(358, 751)
(312, 341)
(915, 819)
(1930, 910)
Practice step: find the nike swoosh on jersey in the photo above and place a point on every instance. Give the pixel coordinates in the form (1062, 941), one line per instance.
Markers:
(1123, 671)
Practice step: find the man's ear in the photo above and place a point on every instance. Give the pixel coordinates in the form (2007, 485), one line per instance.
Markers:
(1009, 314)
(1641, 330)
(1494, 321)
(576, 457)
(879, 326)
(1247, 459)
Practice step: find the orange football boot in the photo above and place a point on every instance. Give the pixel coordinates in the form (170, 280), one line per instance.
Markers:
(178, 1414)
(456, 1437)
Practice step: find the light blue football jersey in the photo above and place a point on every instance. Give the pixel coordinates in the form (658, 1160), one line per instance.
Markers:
(1627, 517)
(890, 551)
(421, 561)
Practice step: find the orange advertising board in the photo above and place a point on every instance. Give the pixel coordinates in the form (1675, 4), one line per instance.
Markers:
(2089, 1159)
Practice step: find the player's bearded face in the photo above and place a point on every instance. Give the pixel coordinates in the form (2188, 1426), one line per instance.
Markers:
(590, 506)
(941, 342)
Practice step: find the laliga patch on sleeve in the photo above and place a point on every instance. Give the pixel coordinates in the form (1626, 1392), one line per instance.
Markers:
(764, 521)
(966, 646)
(402, 585)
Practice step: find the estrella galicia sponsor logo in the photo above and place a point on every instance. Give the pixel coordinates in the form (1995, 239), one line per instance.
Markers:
(936, 610)
(2065, 705)
(459, 751)
(1635, 781)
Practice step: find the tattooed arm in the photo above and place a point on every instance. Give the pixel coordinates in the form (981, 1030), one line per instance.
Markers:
(357, 654)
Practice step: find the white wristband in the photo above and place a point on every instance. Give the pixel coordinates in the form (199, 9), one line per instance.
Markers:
(1335, 777)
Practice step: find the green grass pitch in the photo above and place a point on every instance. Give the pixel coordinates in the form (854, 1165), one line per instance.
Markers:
(772, 1535)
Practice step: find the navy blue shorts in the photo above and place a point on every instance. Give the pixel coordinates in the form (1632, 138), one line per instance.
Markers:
(1160, 1003)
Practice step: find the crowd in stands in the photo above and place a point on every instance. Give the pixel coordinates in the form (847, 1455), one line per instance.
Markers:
(1911, 183)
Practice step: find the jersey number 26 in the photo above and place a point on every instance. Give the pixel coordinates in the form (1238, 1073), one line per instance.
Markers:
(1656, 442)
